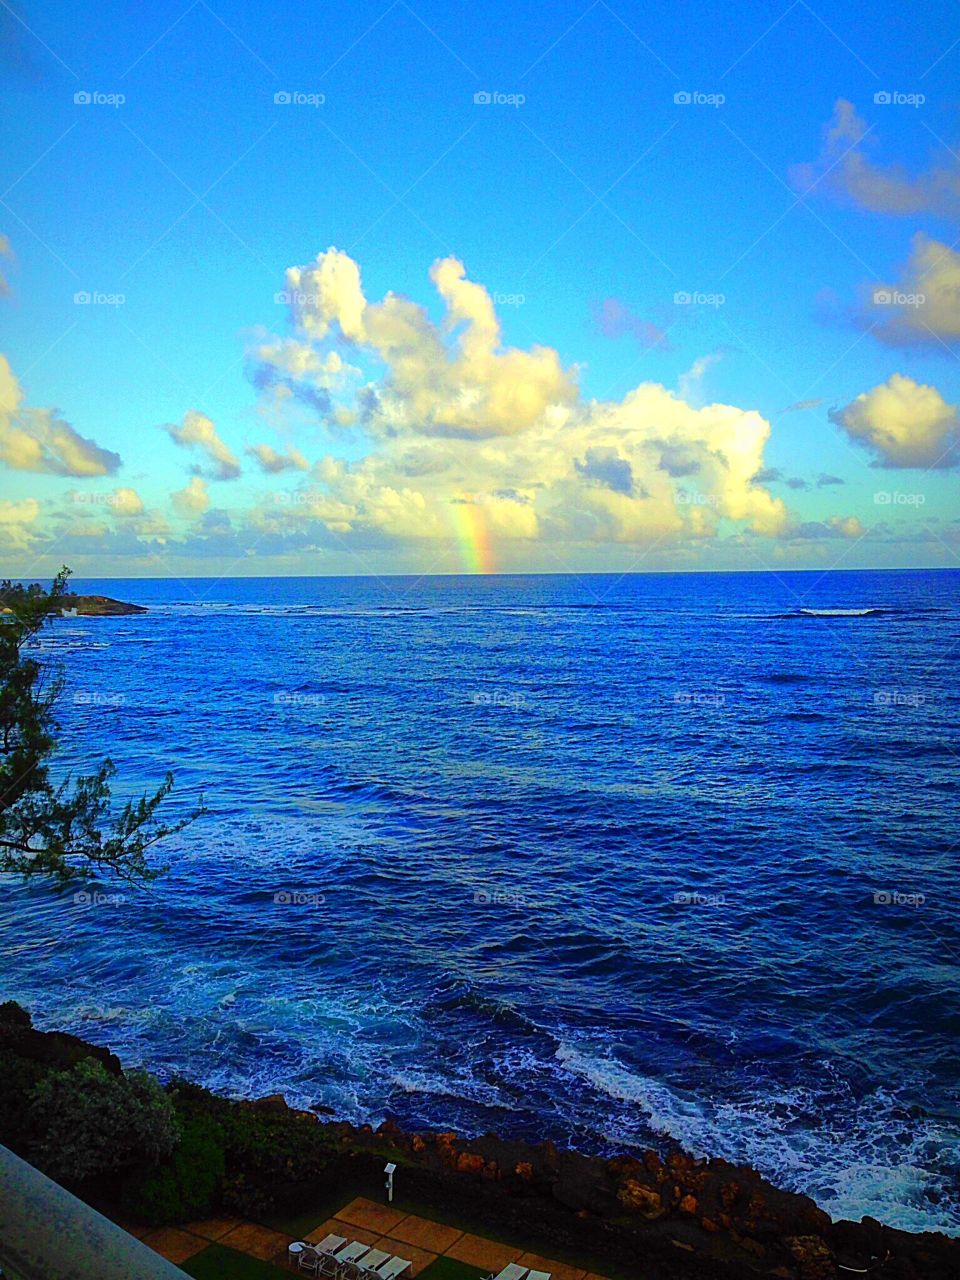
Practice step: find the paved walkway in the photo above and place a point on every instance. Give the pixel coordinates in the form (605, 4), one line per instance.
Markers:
(380, 1225)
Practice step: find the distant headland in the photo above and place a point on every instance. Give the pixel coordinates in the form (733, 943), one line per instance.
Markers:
(97, 607)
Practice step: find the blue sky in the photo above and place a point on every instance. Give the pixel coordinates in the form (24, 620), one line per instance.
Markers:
(584, 210)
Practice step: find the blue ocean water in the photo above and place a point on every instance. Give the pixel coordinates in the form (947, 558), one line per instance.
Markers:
(620, 861)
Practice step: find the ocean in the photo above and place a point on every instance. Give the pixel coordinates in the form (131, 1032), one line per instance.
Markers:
(618, 861)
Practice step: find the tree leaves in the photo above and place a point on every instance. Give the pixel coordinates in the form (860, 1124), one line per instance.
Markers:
(65, 829)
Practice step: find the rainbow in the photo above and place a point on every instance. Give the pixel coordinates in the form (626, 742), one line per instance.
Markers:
(472, 533)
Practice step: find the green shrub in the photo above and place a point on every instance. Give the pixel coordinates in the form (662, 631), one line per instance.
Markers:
(273, 1160)
(186, 1186)
(88, 1122)
(18, 1077)
(274, 1157)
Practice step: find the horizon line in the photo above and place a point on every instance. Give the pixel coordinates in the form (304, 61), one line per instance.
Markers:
(553, 573)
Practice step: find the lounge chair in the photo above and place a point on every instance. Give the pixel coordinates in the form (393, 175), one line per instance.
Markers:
(347, 1260)
(326, 1248)
(392, 1268)
(309, 1260)
(538, 1275)
(352, 1252)
(512, 1271)
(330, 1243)
(367, 1265)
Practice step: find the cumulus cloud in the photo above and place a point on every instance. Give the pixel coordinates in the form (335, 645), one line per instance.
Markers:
(844, 169)
(834, 527)
(606, 467)
(923, 306)
(595, 476)
(193, 500)
(288, 370)
(904, 424)
(272, 462)
(197, 431)
(464, 429)
(39, 440)
(455, 380)
(677, 461)
(125, 502)
(16, 519)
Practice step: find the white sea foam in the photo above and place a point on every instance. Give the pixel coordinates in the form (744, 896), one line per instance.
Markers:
(838, 613)
(888, 1175)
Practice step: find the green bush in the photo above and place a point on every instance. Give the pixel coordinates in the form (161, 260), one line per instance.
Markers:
(18, 1077)
(88, 1122)
(274, 1157)
(186, 1186)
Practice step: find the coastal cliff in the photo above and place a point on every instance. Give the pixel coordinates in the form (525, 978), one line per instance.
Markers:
(679, 1216)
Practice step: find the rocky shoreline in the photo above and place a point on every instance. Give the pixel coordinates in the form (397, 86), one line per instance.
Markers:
(726, 1218)
(678, 1216)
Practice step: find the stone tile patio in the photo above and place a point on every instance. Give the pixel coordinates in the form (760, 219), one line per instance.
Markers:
(558, 1270)
(480, 1252)
(258, 1242)
(174, 1244)
(379, 1225)
(341, 1227)
(425, 1234)
(213, 1228)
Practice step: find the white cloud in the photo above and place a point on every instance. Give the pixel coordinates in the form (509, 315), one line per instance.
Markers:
(38, 440)
(467, 430)
(193, 500)
(272, 462)
(457, 381)
(16, 519)
(285, 370)
(197, 431)
(904, 424)
(923, 306)
(125, 502)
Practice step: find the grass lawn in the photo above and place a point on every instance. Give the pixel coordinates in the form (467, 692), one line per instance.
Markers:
(298, 1226)
(220, 1263)
(451, 1269)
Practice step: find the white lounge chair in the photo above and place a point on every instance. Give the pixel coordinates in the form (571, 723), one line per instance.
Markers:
(348, 1259)
(326, 1248)
(352, 1252)
(330, 1243)
(367, 1265)
(392, 1268)
(512, 1271)
(538, 1275)
(309, 1260)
